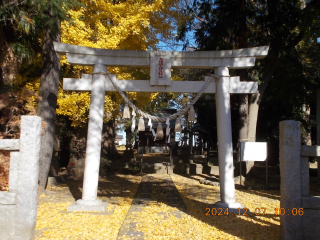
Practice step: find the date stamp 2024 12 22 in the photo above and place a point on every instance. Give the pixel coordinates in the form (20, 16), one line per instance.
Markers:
(257, 212)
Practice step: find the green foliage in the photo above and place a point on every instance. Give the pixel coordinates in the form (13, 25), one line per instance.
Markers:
(51, 13)
(281, 24)
(25, 21)
(288, 76)
(294, 85)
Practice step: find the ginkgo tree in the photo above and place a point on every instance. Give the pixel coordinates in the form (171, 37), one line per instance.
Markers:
(128, 25)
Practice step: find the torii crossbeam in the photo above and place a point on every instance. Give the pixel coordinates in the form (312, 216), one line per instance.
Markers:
(160, 64)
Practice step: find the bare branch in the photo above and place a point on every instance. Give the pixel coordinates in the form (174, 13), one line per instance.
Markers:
(201, 19)
(13, 3)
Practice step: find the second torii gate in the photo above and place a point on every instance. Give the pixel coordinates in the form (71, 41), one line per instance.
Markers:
(160, 64)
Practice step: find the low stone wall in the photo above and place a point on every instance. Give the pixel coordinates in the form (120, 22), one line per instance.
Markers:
(165, 168)
(294, 170)
(18, 206)
(153, 149)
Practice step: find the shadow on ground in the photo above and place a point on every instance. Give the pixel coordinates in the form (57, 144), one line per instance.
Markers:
(247, 227)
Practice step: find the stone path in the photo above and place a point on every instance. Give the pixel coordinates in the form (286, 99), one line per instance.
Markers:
(151, 190)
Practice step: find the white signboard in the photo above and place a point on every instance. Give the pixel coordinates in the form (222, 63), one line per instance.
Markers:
(253, 151)
(160, 64)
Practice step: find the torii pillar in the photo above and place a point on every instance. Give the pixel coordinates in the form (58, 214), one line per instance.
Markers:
(89, 201)
(225, 149)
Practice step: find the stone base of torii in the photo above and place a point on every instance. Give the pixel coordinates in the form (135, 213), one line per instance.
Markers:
(161, 63)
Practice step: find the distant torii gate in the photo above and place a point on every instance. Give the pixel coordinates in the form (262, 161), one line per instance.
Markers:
(160, 63)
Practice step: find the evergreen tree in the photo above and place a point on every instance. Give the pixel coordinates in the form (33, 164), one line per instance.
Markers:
(18, 38)
(232, 24)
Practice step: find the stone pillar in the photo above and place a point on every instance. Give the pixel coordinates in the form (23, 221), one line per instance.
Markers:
(290, 188)
(89, 201)
(54, 166)
(27, 187)
(225, 150)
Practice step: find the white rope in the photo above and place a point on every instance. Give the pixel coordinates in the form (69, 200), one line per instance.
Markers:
(161, 119)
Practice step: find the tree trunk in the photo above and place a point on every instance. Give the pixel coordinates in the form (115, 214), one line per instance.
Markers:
(253, 117)
(243, 112)
(318, 127)
(252, 125)
(54, 168)
(243, 109)
(49, 85)
(254, 104)
(272, 63)
(3, 51)
(243, 98)
(77, 152)
(108, 139)
(243, 131)
(306, 129)
(9, 64)
(318, 116)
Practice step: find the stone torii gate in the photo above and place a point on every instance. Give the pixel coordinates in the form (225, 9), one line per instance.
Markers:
(160, 64)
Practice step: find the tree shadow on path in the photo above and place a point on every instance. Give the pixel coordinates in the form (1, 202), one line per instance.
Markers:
(244, 227)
